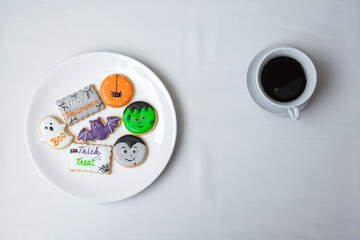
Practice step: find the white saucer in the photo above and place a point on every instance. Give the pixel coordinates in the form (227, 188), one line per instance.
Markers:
(253, 90)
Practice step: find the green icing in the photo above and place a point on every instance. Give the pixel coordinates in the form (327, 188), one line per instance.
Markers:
(82, 162)
(145, 120)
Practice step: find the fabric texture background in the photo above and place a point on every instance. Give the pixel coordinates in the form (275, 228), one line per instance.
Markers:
(237, 172)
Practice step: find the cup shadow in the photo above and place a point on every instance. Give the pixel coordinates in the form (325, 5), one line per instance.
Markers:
(323, 76)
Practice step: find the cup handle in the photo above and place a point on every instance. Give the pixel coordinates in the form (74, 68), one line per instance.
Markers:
(294, 113)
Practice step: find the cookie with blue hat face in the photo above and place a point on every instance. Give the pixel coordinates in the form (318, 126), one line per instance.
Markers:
(130, 151)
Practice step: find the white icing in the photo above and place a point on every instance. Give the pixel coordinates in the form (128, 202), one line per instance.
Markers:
(75, 102)
(53, 133)
(95, 155)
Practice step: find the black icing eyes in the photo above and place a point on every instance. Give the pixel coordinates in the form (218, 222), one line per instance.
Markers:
(135, 151)
(47, 127)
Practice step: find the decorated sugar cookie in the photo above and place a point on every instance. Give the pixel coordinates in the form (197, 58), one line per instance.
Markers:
(54, 133)
(116, 90)
(90, 158)
(140, 117)
(130, 151)
(80, 105)
(99, 130)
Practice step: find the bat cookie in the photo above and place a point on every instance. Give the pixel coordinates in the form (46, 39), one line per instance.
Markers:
(54, 133)
(116, 90)
(99, 130)
(130, 151)
(140, 117)
(79, 105)
(90, 158)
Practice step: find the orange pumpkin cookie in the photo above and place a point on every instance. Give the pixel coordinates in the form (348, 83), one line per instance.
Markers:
(116, 90)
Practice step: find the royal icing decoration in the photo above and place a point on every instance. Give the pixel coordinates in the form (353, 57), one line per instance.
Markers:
(80, 105)
(139, 117)
(130, 151)
(90, 158)
(116, 90)
(54, 133)
(99, 130)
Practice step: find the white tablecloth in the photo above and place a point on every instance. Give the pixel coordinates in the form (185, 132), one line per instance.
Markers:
(237, 172)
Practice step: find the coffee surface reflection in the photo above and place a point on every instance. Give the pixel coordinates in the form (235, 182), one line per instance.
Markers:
(283, 79)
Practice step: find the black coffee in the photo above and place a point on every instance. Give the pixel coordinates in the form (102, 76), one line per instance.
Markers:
(283, 79)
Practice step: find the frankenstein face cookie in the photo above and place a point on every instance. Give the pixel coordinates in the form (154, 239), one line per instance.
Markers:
(130, 151)
(54, 133)
(116, 90)
(140, 117)
(90, 158)
(98, 130)
(80, 105)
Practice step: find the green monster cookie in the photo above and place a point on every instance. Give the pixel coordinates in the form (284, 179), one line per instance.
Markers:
(140, 117)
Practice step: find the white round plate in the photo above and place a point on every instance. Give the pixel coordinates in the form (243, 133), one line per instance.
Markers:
(75, 74)
(254, 92)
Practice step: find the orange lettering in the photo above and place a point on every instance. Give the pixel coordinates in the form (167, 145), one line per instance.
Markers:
(53, 140)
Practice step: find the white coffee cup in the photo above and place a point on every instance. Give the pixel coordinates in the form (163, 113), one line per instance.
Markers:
(310, 74)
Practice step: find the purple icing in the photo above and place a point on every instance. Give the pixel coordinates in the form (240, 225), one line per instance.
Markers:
(98, 130)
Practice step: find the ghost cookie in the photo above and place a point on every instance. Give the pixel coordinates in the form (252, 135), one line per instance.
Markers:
(116, 90)
(90, 158)
(130, 151)
(140, 117)
(80, 105)
(54, 133)
(99, 130)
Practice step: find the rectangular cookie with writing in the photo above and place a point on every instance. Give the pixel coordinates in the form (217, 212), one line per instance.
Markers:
(90, 158)
(79, 105)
